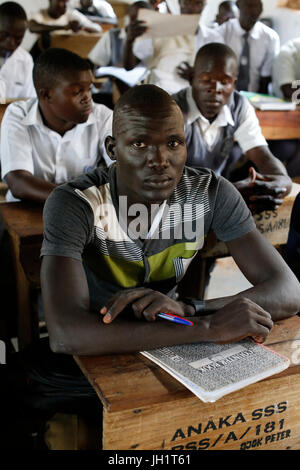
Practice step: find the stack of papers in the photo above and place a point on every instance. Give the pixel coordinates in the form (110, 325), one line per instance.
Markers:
(268, 102)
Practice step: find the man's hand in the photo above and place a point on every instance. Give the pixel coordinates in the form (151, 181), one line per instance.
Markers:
(145, 303)
(185, 71)
(74, 25)
(135, 29)
(263, 192)
(239, 319)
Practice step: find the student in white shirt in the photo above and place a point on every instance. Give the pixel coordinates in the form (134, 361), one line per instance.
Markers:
(263, 44)
(58, 136)
(15, 62)
(99, 11)
(216, 116)
(58, 18)
(162, 56)
(286, 70)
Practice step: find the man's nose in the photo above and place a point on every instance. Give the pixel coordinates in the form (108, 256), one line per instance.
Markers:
(158, 158)
(11, 42)
(216, 86)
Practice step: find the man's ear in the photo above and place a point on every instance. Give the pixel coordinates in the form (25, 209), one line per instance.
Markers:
(44, 94)
(110, 144)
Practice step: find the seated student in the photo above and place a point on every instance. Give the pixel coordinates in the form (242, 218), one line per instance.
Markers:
(115, 247)
(227, 10)
(109, 49)
(215, 116)
(255, 44)
(98, 12)
(285, 82)
(163, 56)
(57, 18)
(15, 63)
(49, 140)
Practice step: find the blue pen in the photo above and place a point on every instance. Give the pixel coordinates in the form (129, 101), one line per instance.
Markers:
(175, 318)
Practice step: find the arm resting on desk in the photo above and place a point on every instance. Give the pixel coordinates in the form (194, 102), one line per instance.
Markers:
(25, 186)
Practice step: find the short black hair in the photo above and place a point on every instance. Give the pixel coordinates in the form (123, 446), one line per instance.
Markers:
(215, 50)
(55, 63)
(149, 99)
(13, 11)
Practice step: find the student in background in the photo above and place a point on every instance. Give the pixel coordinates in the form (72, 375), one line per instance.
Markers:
(106, 275)
(255, 44)
(57, 18)
(109, 49)
(15, 62)
(59, 135)
(99, 11)
(163, 56)
(227, 11)
(216, 116)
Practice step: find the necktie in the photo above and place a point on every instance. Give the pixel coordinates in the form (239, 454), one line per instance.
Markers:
(244, 68)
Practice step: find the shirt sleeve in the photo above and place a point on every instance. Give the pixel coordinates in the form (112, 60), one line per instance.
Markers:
(104, 9)
(68, 223)
(272, 52)
(284, 70)
(249, 134)
(15, 146)
(101, 53)
(231, 217)
(84, 21)
(143, 49)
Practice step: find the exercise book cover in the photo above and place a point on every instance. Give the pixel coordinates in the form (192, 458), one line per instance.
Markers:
(210, 370)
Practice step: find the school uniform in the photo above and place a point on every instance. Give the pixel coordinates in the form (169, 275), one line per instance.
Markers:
(43, 17)
(16, 74)
(209, 144)
(28, 144)
(286, 66)
(163, 55)
(264, 45)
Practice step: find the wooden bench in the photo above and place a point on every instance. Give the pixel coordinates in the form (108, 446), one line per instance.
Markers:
(157, 412)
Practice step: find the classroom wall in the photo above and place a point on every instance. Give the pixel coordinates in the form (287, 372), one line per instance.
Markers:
(286, 22)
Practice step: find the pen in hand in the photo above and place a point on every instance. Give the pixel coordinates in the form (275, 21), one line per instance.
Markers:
(175, 318)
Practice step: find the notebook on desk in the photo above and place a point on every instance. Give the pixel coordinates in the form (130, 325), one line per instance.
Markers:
(268, 102)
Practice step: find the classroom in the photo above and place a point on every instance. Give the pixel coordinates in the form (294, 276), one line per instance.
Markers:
(149, 227)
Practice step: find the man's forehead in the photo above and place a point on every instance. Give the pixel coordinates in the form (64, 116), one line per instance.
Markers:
(135, 120)
(12, 24)
(213, 64)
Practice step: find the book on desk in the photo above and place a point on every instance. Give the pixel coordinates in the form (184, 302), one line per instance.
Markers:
(268, 102)
(212, 370)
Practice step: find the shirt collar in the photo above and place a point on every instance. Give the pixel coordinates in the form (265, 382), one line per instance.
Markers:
(34, 116)
(223, 119)
(253, 33)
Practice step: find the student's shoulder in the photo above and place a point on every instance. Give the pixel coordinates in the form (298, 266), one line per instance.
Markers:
(19, 110)
(23, 55)
(100, 111)
(267, 31)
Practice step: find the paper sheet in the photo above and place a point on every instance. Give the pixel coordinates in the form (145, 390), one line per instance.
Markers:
(163, 25)
(130, 77)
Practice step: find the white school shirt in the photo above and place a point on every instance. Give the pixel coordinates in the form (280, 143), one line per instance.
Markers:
(16, 73)
(101, 52)
(162, 55)
(27, 144)
(43, 17)
(248, 134)
(286, 67)
(264, 46)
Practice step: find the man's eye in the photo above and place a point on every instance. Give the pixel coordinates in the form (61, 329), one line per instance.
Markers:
(174, 144)
(139, 145)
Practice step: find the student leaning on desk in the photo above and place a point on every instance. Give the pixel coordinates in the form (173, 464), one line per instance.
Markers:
(116, 244)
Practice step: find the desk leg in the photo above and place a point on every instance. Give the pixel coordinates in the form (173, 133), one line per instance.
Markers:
(27, 316)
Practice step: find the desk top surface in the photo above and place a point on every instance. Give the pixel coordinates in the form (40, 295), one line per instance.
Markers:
(23, 218)
(280, 124)
(117, 378)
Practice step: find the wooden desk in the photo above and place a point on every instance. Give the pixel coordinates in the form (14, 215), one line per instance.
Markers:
(81, 43)
(279, 125)
(23, 221)
(145, 408)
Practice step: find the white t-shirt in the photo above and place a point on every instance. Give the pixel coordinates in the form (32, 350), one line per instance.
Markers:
(16, 73)
(27, 144)
(163, 55)
(248, 134)
(264, 46)
(286, 66)
(43, 17)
